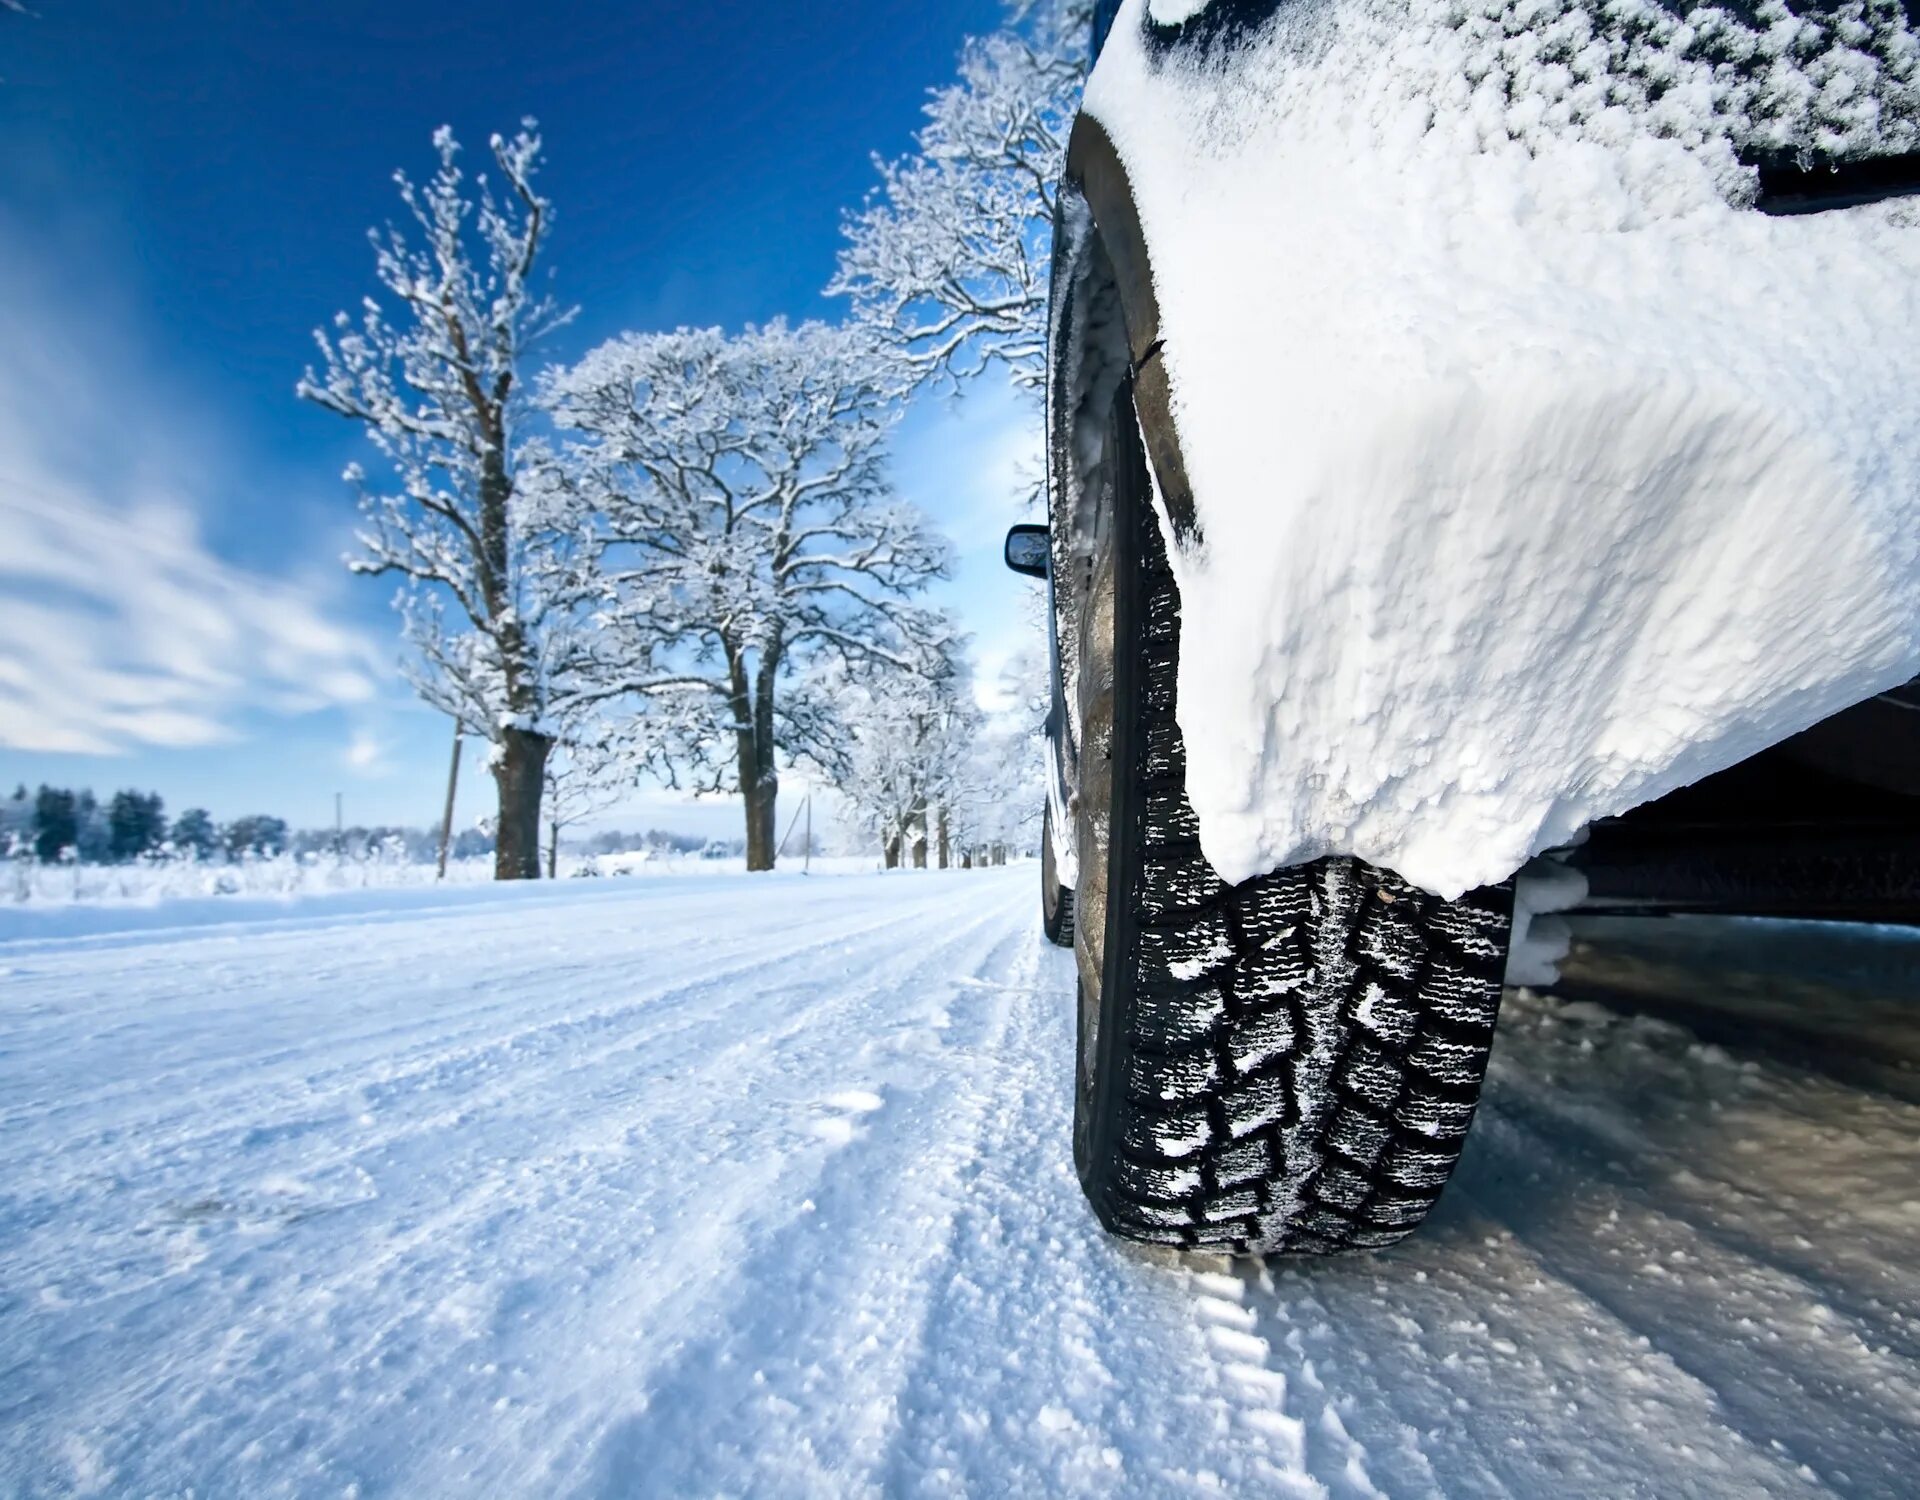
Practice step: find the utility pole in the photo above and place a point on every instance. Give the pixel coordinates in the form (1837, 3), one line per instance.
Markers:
(807, 808)
(446, 819)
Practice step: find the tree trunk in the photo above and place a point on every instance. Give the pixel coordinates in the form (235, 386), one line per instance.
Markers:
(917, 832)
(754, 743)
(891, 850)
(519, 772)
(759, 797)
(945, 848)
(553, 851)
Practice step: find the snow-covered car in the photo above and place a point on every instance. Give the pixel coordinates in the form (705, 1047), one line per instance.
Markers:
(1477, 428)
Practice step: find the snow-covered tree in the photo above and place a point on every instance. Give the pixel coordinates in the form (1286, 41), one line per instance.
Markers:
(752, 535)
(194, 834)
(904, 762)
(136, 825)
(1000, 791)
(948, 259)
(258, 836)
(587, 773)
(16, 825)
(56, 823)
(486, 549)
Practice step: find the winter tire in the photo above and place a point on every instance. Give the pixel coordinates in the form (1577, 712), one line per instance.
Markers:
(1056, 901)
(1289, 1064)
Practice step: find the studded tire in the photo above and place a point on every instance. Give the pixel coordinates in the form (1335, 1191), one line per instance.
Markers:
(1286, 1065)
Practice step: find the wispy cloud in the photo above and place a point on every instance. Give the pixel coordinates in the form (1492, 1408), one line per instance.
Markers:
(119, 627)
(365, 753)
(120, 630)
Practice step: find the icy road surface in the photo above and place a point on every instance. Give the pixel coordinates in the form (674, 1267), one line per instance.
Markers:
(762, 1187)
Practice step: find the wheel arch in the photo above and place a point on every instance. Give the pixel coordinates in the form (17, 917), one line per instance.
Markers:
(1109, 252)
(1104, 327)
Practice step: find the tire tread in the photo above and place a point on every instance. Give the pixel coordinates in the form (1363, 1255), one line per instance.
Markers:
(1300, 1054)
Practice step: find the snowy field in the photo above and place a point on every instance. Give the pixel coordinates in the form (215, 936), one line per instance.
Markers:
(762, 1187)
(30, 884)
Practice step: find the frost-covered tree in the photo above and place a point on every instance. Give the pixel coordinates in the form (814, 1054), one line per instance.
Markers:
(194, 835)
(948, 259)
(56, 823)
(752, 536)
(136, 824)
(903, 764)
(16, 824)
(587, 773)
(1000, 791)
(257, 836)
(485, 548)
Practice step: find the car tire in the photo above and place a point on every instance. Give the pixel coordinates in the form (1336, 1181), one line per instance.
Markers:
(1056, 901)
(1285, 1065)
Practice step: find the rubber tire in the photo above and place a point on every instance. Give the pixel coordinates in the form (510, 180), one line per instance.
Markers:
(1286, 1065)
(1056, 901)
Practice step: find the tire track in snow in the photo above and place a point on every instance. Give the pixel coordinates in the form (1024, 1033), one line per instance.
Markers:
(508, 1190)
(496, 995)
(152, 1146)
(1804, 1342)
(796, 1213)
(158, 1155)
(1574, 1316)
(1053, 1359)
(799, 1365)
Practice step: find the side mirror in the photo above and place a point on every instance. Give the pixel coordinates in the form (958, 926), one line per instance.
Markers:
(1028, 550)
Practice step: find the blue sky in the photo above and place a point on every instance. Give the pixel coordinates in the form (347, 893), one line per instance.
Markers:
(184, 195)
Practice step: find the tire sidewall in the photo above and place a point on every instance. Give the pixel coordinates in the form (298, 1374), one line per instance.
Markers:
(1098, 1058)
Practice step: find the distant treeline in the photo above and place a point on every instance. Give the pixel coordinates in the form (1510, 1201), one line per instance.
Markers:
(60, 825)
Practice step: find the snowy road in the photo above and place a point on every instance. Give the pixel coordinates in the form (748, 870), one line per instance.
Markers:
(731, 1187)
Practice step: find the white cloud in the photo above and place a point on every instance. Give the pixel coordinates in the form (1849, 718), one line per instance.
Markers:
(366, 753)
(119, 628)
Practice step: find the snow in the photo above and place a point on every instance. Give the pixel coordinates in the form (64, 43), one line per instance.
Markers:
(235, 888)
(1535, 473)
(763, 1186)
(1544, 888)
(1174, 12)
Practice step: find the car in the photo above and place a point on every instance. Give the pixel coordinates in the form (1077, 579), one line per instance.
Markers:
(1484, 451)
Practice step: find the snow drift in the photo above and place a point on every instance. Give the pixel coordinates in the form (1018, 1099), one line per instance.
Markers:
(1536, 474)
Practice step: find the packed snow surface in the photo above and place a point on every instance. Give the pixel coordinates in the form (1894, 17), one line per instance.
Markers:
(1535, 472)
(761, 1186)
(229, 886)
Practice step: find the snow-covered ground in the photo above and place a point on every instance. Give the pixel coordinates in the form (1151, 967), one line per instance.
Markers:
(28, 883)
(761, 1186)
